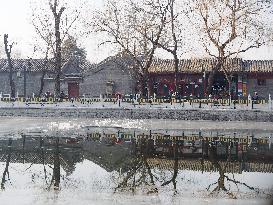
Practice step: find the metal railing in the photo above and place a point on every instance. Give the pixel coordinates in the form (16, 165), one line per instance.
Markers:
(196, 103)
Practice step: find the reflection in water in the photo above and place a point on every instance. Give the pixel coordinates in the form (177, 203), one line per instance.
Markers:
(145, 162)
(6, 171)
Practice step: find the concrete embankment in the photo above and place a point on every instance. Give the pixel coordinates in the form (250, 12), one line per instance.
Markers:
(176, 114)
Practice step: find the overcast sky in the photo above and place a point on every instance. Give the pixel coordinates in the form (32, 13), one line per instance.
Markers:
(15, 20)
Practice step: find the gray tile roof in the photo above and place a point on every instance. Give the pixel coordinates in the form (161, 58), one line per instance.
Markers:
(158, 65)
(192, 65)
(201, 65)
(195, 65)
(38, 65)
(258, 65)
(197, 165)
(34, 65)
(72, 66)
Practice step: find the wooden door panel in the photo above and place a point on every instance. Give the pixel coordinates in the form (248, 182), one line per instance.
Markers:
(73, 90)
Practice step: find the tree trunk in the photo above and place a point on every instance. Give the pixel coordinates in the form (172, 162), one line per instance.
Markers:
(175, 167)
(42, 83)
(8, 53)
(176, 71)
(12, 86)
(58, 60)
(221, 181)
(229, 90)
(211, 80)
(229, 84)
(144, 87)
(215, 162)
(58, 55)
(214, 71)
(57, 167)
(147, 153)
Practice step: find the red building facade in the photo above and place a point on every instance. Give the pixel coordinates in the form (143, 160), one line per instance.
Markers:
(247, 77)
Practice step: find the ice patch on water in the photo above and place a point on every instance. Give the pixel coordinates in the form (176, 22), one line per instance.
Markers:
(53, 126)
(126, 123)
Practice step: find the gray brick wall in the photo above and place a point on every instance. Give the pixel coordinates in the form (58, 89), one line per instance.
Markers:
(95, 81)
(33, 83)
(4, 83)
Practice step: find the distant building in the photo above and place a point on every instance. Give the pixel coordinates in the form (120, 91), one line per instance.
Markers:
(113, 75)
(106, 78)
(109, 77)
(247, 77)
(32, 76)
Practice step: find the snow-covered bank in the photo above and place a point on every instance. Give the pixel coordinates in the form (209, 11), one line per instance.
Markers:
(143, 113)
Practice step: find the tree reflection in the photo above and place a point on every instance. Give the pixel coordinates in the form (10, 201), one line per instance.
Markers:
(5, 176)
(221, 168)
(139, 164)
(56, 176)
(42, 156)
(140, 172)
(175, 167)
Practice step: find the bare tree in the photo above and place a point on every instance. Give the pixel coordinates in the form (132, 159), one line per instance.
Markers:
(53, 23)
(127, 24)
(172, 40)
(173, 51)
(8, 48)
(228, 28)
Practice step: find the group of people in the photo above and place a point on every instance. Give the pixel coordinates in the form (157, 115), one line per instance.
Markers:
(255, 96)
(48, 94)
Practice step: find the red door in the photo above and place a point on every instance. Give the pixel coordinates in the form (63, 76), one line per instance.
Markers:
(73, 90)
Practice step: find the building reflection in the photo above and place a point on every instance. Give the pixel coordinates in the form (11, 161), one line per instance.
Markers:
(134, 156)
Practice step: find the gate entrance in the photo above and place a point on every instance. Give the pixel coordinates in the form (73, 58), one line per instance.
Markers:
(73, 90)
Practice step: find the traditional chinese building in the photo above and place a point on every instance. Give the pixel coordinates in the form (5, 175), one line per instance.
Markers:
(36, 76)
(247, 77)
(114, 75)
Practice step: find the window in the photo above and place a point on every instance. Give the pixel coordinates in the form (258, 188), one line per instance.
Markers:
(261, 82)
